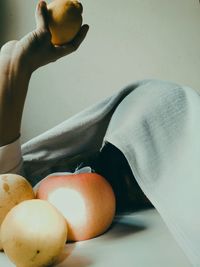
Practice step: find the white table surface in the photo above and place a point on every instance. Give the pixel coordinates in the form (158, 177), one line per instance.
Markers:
(139, 239)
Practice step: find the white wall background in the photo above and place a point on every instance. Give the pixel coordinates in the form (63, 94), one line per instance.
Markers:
(128, 40)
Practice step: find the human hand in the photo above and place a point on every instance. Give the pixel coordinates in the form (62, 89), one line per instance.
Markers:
(18, 59)
(35, 49)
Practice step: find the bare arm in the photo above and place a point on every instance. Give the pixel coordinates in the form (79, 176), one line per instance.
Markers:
(18, 60)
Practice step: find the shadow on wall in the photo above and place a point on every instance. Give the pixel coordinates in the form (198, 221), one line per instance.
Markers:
(8, 19)
(3, 23)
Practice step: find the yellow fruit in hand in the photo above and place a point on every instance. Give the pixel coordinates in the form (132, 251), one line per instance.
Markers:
(65, 19)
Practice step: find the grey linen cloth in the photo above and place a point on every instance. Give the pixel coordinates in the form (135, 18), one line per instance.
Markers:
(156, 125)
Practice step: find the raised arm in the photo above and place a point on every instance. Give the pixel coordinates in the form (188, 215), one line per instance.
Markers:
(18, 60)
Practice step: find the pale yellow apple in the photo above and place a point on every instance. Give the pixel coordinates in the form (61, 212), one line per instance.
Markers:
(33, 234)
(13, 190)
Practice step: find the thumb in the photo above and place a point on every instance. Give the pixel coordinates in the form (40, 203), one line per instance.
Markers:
(41, 15)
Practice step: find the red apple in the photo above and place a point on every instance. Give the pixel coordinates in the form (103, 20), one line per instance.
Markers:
(86, 200)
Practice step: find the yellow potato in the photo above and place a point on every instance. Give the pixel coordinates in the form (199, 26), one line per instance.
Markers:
(65, 19)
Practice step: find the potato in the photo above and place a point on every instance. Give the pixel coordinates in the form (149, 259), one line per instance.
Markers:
(33, 234)
(13, 190)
